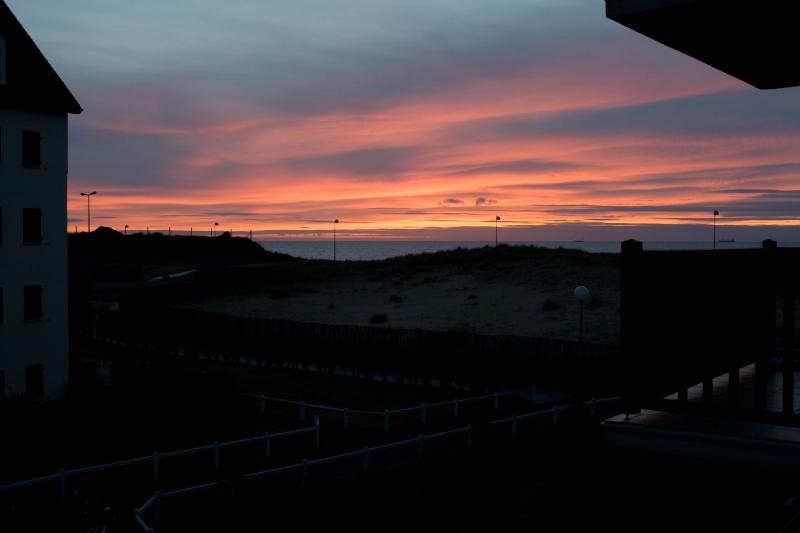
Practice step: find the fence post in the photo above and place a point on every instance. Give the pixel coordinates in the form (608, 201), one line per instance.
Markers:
(157, 508)
(155, 467)
(365, 458)
(514, 425)
(316, 432)
(62, 484)
(305, 471)
(302, 413)
(420, 445)
(455, 408)
(469, 436)
(386, 415)
(268, 445)
(496, 401)
(555, 415)
(423, 414)
(216, 455)
(594, 408)
(346, 419)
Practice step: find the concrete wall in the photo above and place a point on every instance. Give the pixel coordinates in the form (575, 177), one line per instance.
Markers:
(44, 341)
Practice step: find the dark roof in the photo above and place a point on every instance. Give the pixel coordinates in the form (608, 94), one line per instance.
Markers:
(31, 82)
(753, 40)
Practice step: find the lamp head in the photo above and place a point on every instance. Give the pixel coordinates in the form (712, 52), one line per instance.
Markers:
(336, 221)
(497, 218)
(581, 293)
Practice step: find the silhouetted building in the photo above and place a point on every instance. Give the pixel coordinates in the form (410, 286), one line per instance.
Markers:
(753, 40)
(34, 105)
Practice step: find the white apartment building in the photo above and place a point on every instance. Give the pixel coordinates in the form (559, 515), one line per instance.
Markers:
(34, 106)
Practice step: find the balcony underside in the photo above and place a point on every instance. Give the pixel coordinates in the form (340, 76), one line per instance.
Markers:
(753, 40)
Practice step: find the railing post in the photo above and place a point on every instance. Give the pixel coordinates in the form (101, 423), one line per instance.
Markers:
(555, 415)
(469, 436)
(346, 419)
(455, 408)
(216, 455)
(302, 414)
(533, 393)
(157, 508)
(62, 484)
(365, 458)
(262, 405)
(594, 408)
(268, 446)
(305, 471)
(514, 425)
(420, 445)
(496, 401)
(156, 473)
(386, 415)
(316, 432)
(423, 414)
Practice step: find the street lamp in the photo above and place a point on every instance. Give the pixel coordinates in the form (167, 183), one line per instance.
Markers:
(716, 214)
(496, 221)
(334, 238)
(88, 196)
(212, 228)
(582, 295)
(126, 229)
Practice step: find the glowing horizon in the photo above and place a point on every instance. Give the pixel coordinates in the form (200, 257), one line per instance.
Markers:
(288, 116)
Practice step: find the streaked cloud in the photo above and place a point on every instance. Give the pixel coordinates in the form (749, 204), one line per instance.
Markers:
(282, 116)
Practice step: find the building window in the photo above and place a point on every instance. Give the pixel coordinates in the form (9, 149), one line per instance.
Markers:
(31, 225)
(33, 303)
(2, 60)
(34, 382)
(31, 149)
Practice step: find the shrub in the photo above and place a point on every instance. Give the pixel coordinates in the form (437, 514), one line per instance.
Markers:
(550, 305)
(378, 318)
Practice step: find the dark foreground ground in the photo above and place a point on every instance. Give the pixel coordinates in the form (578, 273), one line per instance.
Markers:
(547, 481)
(547, 478)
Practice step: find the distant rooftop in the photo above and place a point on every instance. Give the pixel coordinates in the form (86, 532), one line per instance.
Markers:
(753, 40)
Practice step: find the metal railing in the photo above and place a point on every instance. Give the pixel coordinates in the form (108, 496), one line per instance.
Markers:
(156, 457)
(364, 454)
(304, 468)
(387, 414)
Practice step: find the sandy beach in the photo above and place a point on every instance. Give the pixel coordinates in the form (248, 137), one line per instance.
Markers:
(508, 290)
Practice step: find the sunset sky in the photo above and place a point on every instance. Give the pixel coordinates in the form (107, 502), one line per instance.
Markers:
(410, 119)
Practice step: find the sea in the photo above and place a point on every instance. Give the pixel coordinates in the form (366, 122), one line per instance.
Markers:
(363, 250)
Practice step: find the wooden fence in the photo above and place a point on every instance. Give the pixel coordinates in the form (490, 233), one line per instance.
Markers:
(451, 356)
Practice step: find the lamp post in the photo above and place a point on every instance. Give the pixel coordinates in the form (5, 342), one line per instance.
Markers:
(582, 295)
(88, 196)
(716, 214)
(212, 228)
(496, 221)
(125, 230)
(334, 238)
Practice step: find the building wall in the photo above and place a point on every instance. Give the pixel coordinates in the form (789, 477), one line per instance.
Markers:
(45, 341)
